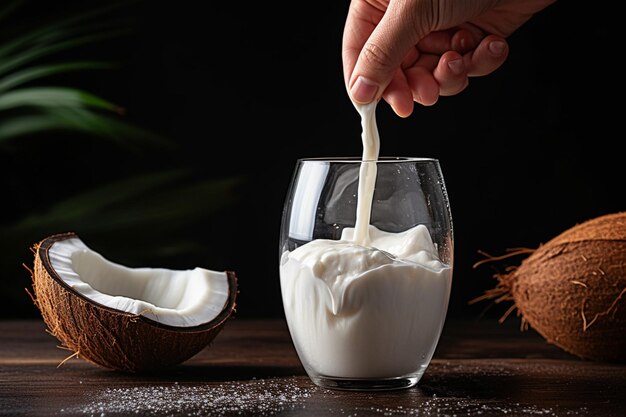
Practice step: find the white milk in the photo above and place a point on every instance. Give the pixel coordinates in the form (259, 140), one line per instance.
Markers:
(372, 304)
(356, 312)
(367, 173)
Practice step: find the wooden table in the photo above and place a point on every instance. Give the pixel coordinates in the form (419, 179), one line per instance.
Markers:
(481, 368)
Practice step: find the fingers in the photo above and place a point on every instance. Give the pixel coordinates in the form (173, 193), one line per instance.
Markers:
(398, 95)
(424, 87)
(466, 38)
(440, 66)
(451, 74)
(383, 51)
(423, 83)
(488, 56)
(460, 40)
(360, 23)
(374, 70)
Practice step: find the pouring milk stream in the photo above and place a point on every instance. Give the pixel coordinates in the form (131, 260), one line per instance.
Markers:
(367, 173)
(367, 306)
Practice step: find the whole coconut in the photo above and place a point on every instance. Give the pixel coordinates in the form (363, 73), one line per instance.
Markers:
(572, 289)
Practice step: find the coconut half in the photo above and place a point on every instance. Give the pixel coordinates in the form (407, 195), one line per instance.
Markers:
(128, 319)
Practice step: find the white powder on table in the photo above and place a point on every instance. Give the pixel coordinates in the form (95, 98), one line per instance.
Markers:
(256, 397)
(286, 396)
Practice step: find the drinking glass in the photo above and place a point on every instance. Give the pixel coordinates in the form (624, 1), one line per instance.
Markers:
(379, 330)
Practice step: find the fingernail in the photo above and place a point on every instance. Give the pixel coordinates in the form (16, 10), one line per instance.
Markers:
(363, 91)
(497, 47)
(456, 66)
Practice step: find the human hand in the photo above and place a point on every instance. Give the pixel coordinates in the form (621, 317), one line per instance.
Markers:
(407, 51)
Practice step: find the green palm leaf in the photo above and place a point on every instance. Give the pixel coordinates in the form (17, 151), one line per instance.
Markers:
(61, 29)
(31, 124)
(28, 110)
(40, 51)
(42, 71)
(53, 97)
(81, 121)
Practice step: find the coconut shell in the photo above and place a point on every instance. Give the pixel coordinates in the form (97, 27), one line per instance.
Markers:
(572, 289)
(111, 338)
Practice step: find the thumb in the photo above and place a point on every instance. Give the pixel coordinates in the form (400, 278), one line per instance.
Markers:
(383, 52)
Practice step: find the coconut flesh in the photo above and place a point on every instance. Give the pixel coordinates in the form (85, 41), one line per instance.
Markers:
(130, 319)
(572, 289)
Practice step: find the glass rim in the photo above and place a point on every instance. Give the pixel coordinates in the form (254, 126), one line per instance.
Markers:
(358, 159)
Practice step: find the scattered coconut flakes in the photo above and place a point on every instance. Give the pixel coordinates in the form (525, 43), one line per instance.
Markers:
(267, 397)
(256, 397)
(455, 407)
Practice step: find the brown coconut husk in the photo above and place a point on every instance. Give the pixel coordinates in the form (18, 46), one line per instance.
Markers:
(572, 289)
(110, 338)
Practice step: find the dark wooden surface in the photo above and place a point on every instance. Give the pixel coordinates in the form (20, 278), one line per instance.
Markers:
(480, 368)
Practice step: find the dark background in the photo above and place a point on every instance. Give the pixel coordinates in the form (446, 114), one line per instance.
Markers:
(243, 89)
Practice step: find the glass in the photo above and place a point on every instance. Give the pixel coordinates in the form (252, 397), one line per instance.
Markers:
(378, 330)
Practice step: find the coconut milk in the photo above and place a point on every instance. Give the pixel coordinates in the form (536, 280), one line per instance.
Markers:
(372, 304)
